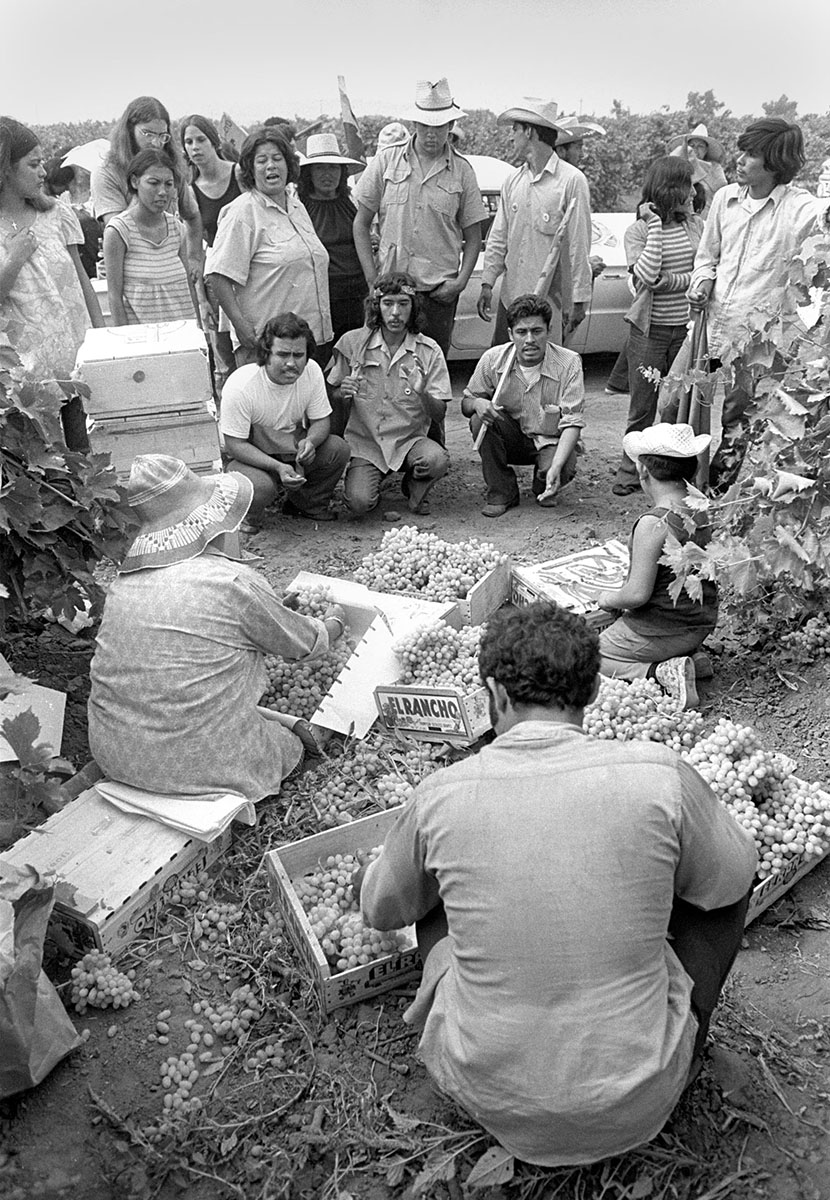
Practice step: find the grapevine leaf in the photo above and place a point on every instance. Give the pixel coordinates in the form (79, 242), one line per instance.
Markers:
(787, 540)
(401, 1121)
(394, 1171)
(495, 1166)
(642, 1187)
(21, 732)
(13, 684)
(788, 482)
(228, 1144)
(438, 1166)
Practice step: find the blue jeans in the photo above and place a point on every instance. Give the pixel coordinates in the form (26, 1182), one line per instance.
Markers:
(658, 348)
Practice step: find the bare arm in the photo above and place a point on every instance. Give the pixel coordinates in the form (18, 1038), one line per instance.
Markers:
(90, 297)
(246, 452)
(646, 551)
(114, 252)
(317, 432)
(451, 288)
(19, 249)
(363, 243)
(225, 293)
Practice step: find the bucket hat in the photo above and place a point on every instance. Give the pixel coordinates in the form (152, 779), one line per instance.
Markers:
(673, 441)
(180, 511)
(323, 148)
(434, 104)
(532, 111)
(699, 134)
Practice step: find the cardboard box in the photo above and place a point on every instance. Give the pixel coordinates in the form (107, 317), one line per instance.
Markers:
(134, 369)
(573, 580)
(114, 870)
(377, 620)
(435, 714)
(779, 883)
(289, 863)
(191, 435)
(48, 706)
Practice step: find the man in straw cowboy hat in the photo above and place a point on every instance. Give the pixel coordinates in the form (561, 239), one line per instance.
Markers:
(429, 209)
(705, 154)
(533, 202)
(657, 634)
(553, 1006)
(180, 662)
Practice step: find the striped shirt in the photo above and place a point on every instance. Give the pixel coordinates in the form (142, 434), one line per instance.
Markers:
(155, 286)
(668, 256)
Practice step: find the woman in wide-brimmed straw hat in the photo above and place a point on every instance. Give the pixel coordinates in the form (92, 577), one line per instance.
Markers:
(656, 634)
(705, 154)
(324, 190)
(180, 663)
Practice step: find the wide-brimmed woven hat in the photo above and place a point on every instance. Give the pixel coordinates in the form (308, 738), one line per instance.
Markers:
(673, 441)
(572, 129)
(699, 134)
(392, 134)
(532, 111)
(434, 104)
(324, 148)
(180, 512)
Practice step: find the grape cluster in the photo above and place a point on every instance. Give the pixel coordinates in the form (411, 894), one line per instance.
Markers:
(188, 891)
(809, 642)
(313, 600)
(329, 903)
(179, 1073)
(298, 688)
(213, 925)
(436, 655)
(270, 1053)
(410, 560)
(229, 1020)
(97, 984)
(641, 709)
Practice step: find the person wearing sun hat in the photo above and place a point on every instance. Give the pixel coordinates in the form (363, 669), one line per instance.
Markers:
(324, 190)
(705, 154)
(533, 202)
(179, 666)
(429, 209)
(655, 635)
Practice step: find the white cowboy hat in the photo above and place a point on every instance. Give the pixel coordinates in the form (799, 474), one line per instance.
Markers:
(89, 156)
(323, 148)
(434, 104)
(180, 511)
(700, 134)
(672, 441)
(532, 111)
(572, 129)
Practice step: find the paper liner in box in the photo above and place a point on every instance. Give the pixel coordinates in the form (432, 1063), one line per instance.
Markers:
(572, 580)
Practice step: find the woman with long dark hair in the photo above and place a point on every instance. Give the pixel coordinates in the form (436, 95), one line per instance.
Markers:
(212, 176)
(660, 249)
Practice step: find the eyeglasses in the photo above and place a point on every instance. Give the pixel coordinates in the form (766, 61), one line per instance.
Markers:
(152, 136)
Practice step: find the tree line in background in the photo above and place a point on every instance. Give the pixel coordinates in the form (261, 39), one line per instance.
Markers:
(615, 164)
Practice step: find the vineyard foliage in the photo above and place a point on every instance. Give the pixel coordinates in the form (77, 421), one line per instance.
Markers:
(61, 512)
(615, 164)
(771, 544)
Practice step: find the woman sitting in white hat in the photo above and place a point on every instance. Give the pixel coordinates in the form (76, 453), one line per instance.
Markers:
(179, 666)
(705, 155)
(654, 634)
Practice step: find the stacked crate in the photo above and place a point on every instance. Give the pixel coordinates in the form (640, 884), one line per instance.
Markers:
(150, 393)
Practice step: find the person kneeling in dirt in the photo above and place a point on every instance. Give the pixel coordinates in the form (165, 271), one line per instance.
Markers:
(180, 662)
(538, 418)
(392, 382)
(655, 635)
(275, 419)
(576, 938)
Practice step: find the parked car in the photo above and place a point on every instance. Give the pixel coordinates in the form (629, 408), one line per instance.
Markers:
(603, 330)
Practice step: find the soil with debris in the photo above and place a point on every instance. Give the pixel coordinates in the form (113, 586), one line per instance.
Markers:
(343, 1109)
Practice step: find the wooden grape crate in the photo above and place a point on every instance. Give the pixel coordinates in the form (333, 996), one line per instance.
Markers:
(779, 883)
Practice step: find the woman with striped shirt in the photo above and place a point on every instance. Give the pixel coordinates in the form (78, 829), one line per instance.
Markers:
(660, 249)
(147, 279)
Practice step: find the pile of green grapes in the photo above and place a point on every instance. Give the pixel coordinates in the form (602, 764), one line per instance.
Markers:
(641, 709)
(436, 655)
(410, 560)
(298, 688)
(96, 983)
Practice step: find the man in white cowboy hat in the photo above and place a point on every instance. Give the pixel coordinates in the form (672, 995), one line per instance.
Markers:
(533, 202)
(429, 210)
(705, 154)
(657, 634)
(179, 666)
(570, 141)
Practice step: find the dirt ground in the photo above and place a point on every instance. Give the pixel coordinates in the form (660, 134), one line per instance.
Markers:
(353, 1115)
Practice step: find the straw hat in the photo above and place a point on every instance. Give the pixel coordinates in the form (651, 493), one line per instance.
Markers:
(571, 129)
(180, 512)
(672, 441)
(323, 148)
(434, 104)
(532, 111)
(393, 134)
(699, 134)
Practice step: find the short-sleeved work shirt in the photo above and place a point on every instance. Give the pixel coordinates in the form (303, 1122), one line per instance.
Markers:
(251, 400)
(387, 418)
(422, 213)
(556, 1011)
(275, 259)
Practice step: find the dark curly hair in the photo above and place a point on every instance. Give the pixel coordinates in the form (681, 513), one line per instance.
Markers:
(541, 654)
(529, 305)
(255, 139)
(392, 284)
(779, 144)
(284, 325)
(668, 467)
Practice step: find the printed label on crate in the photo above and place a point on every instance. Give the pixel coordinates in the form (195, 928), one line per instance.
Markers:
(430, 710)
(778, 882)
(574, 579)
(393, 970)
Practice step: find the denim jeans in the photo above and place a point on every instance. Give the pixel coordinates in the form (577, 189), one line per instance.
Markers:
(426, 463)
(505, 443)
(658, 348)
